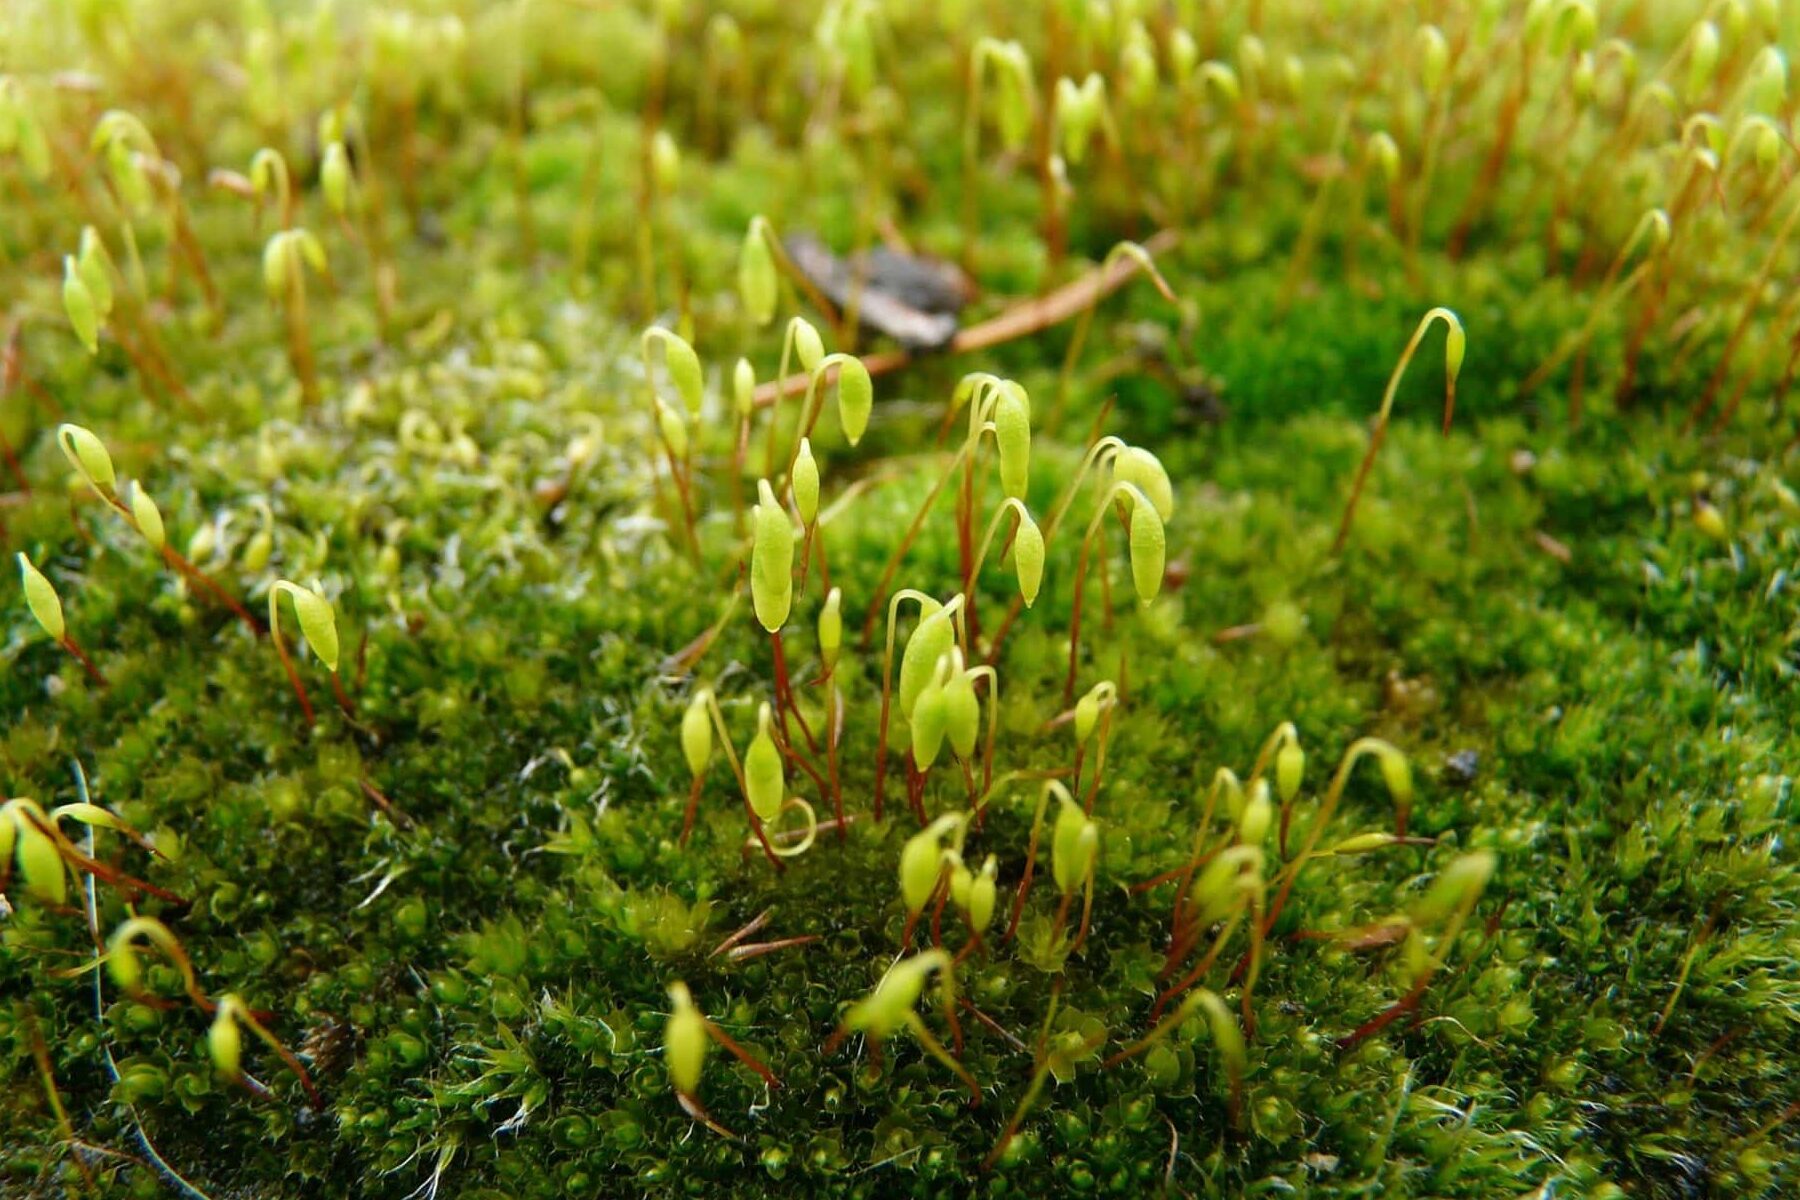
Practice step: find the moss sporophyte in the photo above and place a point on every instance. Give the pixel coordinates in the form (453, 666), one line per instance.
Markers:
(1140, 835)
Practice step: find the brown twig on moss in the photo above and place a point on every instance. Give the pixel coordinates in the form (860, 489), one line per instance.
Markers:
(1021, 320)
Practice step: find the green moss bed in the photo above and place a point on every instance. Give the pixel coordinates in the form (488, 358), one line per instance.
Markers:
(463, 908)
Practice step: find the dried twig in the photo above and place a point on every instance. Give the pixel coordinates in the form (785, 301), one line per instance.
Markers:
(1021, 320)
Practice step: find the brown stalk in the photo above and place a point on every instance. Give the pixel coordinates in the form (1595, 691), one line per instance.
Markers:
(1021, 320)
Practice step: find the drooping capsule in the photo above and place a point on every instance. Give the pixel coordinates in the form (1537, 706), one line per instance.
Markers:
(962, 713)
(762, 771)
(41, 599)
(930, 641)
(1012, 432)
(930, 718)
(758, 283)
(771, 560)
(856, 398)
(1148, 550)
(1028, 558)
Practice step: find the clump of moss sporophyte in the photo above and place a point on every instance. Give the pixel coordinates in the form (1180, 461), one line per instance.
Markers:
(1451, 866)
(35, 851)
(230, 1015)
(684, 1048)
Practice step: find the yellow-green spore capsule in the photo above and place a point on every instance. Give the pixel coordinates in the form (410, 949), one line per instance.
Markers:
(1012, 433)
(81, 307)
(831, 628)
(1065, 844)
(225, 1043)
(1148, 551)
(806, 483)
(743, 389)
(40, 865)
(921, 861)
(684, 370)
(697, 733)
(809, 348)
(758, 283)
(148, 517)
(984, 895)
(771, 560)
(930, 719)
(684, 1041)
(87, 454)
(762, 770)
(856, 398)
(962, 715)
(1144, 471)
(41, 599)
(1290, 765)
(930, 641)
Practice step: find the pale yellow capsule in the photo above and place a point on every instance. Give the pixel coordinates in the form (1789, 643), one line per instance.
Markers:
(983, 895)
(122, 960)
(41, 599)
(1457, 886)
(1290, 765)
(1708, 520)
(697, 733)
(87, 454)
(1028, 558)
(758, 282)
(1148, 552)
(1362, 843)
(683, 366)
(148, 517)
(665, 161)
(1073, 842)
(81, 307)
(921, 863)
(334, 178)
(1396, 772)
(94, 265)
(1703, 58)
(763, 777)
(1258, 816)
(962, 714)
(771, 560)
(684, 1040)
(831, 627)
(856, 398)
(1144, 471)
(808, 347)
(930, 719)
(887, 1008)
(1087, 714)
(930, 641)
(1384, 152)
(743, 388)
(806, 483)
(318, 622)
(1434, 58)
(40, 865)
(1012, 431)
(277, 264)
(225, 1043)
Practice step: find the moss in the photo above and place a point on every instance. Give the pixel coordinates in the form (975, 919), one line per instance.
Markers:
(464, 906)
